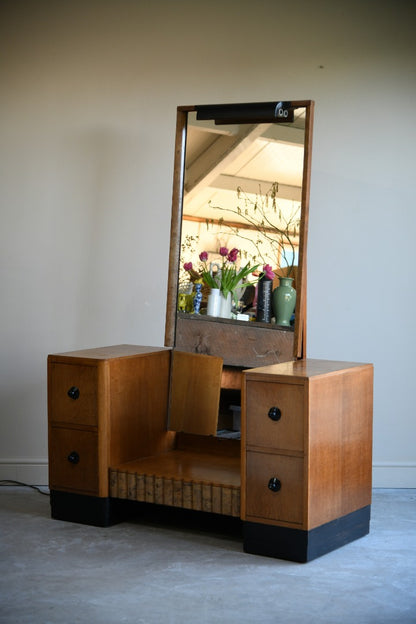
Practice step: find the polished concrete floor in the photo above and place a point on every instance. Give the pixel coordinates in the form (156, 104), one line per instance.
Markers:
(141, 573)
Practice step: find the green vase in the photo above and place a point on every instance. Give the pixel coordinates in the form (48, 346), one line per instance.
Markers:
(284, 301)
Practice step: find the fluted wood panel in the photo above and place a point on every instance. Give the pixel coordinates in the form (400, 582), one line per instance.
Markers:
(198, 496)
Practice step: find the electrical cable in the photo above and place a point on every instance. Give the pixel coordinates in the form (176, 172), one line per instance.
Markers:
(5, 482)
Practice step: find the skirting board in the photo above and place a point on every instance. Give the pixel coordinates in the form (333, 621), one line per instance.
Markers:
(394, 475)
(385, 474)
(31, 471)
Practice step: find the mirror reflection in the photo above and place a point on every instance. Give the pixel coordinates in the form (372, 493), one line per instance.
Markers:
(242, 191)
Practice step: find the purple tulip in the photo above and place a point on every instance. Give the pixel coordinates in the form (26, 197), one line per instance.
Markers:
(268, 271)
(233, 254)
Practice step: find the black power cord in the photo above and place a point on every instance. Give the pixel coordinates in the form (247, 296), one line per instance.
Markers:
(5, 482)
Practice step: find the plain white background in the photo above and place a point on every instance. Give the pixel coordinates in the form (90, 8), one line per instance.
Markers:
(89, 91)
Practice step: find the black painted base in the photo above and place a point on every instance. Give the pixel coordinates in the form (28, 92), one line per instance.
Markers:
(104, 512)
(259, 539)
(303, 546)
(101, 512)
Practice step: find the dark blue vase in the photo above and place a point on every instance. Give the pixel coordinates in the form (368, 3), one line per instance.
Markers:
(197, 298)
(264, 300)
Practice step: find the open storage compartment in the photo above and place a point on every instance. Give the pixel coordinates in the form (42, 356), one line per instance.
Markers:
(201, 470)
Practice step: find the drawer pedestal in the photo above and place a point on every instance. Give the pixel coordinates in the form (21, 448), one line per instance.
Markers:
(306, 470)
(105, 406)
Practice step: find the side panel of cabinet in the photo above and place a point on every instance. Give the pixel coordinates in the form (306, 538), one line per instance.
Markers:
(138, 399)
(340, 444)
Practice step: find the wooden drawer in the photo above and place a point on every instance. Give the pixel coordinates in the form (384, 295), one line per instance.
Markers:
(73, 460)
(286, 433)
(80, 381)
(285, 504)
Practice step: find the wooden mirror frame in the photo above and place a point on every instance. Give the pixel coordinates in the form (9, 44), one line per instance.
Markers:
(299, 350)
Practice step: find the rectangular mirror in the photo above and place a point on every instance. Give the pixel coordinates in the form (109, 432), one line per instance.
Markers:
(241, 181)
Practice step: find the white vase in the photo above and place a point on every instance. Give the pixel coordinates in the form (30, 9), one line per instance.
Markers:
(214, 302)
(225, 307)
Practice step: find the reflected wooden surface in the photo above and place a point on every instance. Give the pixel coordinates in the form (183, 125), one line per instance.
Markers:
(239, 343)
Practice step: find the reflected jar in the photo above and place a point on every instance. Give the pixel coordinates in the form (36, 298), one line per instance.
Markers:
(264, 300)
(225, 306)
(214, 302)
(284, 301)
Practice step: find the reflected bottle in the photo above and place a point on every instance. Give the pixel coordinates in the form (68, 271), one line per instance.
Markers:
(264, 300)
(197, 298)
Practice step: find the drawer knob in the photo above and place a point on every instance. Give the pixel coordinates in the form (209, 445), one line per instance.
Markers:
(274, 484)
(73, 457)
(275, 413)
(73, 393)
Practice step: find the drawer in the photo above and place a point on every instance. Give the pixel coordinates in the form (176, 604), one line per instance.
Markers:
(73, 394)
(73, 460)
(275, 415)
(285, 502)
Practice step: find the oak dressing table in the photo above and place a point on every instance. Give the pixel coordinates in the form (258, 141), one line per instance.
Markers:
(148, 425)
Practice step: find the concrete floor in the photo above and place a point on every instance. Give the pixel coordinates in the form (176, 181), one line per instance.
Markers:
(139, 573)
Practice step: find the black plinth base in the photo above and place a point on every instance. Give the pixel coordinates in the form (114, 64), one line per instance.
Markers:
(101, 512)
(303, 546)
(259, 539)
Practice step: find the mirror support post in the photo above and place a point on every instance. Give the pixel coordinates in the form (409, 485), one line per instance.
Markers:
(300, 327)
(176, 220)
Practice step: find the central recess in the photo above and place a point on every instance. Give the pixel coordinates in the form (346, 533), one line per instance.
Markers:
(201, 473)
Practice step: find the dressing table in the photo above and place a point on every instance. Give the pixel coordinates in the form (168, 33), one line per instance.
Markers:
(151, 425)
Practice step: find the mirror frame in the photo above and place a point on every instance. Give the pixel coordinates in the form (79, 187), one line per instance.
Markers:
(299, 350)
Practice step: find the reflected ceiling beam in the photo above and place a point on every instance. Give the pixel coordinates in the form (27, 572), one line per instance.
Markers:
(207, 126)
(240, 224)
(208, 166)
(256, 187)
(278, 133)
(226, 182)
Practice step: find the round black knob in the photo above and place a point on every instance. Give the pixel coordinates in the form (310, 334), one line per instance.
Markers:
(73, 393)
(274, 484)
(275, 413)
(73, 457)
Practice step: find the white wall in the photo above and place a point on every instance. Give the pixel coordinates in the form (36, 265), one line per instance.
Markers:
(88, 100)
